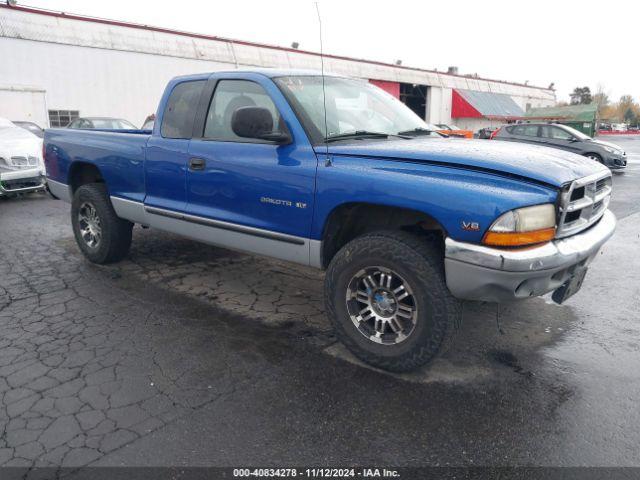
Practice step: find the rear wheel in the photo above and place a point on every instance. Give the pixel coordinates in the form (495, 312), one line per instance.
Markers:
(102, 236)
(386, 296)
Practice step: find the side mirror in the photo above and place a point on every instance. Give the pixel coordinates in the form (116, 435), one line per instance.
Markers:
(573, 139)
(256, 122)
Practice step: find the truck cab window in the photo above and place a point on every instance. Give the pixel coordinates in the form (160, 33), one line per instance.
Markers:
(229, 96)
(179, 114)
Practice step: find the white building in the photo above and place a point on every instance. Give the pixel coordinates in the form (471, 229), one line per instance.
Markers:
(57, 66)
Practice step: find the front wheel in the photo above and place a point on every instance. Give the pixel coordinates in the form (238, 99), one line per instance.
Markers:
(102, 236)
(387, 298)
(594, 156)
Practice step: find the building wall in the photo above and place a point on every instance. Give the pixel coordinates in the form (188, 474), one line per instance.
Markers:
(102, 68)
(23, 103)
(96, 82)
(438, 105)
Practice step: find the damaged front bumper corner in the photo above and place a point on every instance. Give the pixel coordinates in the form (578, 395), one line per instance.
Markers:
(21, 181)
(476, 272)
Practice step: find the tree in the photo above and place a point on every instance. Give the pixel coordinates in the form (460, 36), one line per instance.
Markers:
(625, 110)
(601, 99)
(581, 95)
(630, 116)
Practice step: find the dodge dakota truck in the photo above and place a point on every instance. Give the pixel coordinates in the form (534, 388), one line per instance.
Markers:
(332, 172)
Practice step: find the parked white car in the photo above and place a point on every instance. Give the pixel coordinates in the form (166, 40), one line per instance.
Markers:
(21, 165)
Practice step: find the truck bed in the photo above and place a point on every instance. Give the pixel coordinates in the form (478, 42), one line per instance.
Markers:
(118, 154)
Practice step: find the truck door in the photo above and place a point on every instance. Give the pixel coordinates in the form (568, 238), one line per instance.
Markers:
(168, 147)
(255, 187)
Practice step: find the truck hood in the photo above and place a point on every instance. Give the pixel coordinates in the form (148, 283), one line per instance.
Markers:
(542, 164)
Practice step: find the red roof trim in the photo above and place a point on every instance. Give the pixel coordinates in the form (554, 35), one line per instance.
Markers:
(461, 108)
(105, 21)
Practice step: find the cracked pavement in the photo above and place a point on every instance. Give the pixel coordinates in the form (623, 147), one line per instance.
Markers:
(186, 354)
(86, 366)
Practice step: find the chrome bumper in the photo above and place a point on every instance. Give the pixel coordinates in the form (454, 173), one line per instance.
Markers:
(34, 176)
(475, 272)
(60, 190)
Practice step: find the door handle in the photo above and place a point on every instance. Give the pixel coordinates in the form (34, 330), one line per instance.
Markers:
(197, 163)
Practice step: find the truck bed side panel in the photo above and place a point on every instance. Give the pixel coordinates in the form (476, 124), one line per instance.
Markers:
(118, 155)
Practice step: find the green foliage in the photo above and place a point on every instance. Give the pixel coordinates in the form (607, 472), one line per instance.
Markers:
(581, 95)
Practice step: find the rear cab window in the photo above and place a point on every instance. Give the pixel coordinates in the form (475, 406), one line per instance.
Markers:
(180, 111)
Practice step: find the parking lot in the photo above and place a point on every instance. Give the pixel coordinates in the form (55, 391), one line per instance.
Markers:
(186, 354)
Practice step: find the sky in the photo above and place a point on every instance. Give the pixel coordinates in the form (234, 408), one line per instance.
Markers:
(566, 42)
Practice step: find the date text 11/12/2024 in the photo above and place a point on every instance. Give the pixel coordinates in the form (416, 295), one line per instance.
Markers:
(315, 473)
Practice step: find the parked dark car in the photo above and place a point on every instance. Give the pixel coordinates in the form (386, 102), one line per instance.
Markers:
(101, 123)
(31, 127)
(485, 133)
(564, 138)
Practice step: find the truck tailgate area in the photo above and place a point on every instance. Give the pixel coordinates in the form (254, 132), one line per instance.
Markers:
(118, 155)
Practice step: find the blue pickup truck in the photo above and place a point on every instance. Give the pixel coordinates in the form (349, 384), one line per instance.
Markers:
(334, 173)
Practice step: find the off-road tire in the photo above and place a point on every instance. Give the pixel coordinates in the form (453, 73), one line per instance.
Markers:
(420, 260)
(116, 232)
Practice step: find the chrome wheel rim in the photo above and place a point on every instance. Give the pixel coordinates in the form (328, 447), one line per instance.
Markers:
(89, 223)
(593, 157)
(381, 305)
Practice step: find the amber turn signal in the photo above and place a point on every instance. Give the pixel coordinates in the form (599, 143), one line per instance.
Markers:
(519, 239)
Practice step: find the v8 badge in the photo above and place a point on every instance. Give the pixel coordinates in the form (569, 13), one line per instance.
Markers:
(470, 226)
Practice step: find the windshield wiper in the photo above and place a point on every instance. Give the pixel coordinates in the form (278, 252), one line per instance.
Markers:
(417, 131)
(362, 134)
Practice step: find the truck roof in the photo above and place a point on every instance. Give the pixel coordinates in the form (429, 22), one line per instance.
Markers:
(267, 72)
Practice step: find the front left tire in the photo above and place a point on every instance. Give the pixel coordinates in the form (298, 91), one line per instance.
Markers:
(386, 295)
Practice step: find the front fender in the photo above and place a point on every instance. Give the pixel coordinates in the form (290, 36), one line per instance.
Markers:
(465, 202)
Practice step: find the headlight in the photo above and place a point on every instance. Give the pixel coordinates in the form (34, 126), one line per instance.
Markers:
(610, 150)
(523, 226)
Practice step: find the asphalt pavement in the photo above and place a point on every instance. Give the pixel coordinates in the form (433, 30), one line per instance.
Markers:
(186, 354)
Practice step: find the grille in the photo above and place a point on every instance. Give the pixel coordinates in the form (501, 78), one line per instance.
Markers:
(583, 202)
(24, 161)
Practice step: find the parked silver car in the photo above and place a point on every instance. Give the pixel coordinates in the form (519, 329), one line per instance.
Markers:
(21, 166)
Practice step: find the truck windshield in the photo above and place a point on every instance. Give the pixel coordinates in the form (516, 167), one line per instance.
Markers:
(352, 106)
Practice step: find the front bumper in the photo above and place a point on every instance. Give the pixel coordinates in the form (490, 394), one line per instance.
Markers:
(476, 272)
(616, 162)
(21, 181)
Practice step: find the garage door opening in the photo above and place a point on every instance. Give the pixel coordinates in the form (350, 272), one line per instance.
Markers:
(415, 97)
